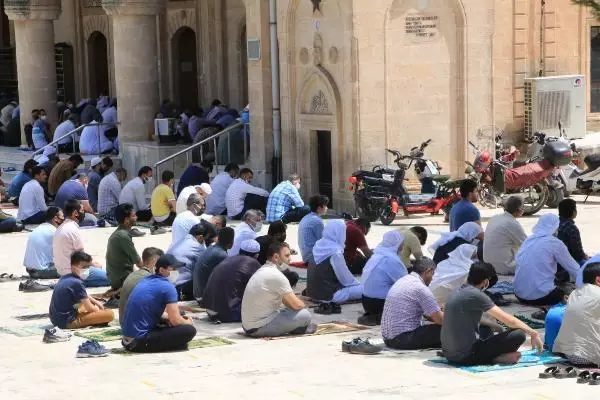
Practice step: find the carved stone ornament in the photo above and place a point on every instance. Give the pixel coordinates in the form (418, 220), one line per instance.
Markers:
(318, 49)
(304, 56)
(319, 104)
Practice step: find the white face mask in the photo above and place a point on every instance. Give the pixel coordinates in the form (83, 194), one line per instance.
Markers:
(258, 227)
(84, 274)
(43, 117)
(297, 185)
(173, 276)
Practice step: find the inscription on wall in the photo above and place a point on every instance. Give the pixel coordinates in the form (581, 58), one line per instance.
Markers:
(421, 27)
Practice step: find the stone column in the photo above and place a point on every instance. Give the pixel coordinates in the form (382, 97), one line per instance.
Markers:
(136, 64)
(36, 69)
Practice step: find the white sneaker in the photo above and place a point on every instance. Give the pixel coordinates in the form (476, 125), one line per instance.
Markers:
(55, 335)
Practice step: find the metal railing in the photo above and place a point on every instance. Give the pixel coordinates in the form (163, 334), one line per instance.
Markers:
(56, 143)
(227, 131)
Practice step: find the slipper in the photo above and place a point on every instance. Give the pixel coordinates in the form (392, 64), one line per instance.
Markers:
(584, 377)
(595, 379)
(549, 372)
(569, 372)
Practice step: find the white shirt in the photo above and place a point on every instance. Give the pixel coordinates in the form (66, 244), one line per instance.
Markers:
(31, 200)
(62, 129)
(88, 143)
(66, 241)
(182, 225)
(236, 194)
(38, 253)
(134, 192)
(503, 237)
(242, 232)
(215, 203)
(181, 205)
(109, 116)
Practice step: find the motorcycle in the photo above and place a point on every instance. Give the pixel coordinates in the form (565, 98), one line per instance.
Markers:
(380, 198)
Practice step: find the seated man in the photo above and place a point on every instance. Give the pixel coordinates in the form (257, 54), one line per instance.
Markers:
(163, 202)
(285, 203)
(241, 196)
(554, 318)
(311, 227)
(407, 302)
(16, 184)
(266, 292)
(356, 240)
(109, 191)
(74, 189)
(329, 279)
(149, 257)
(383, 269)
(134, 192)
(537, 265)
(145, 327)
(62, 172)
(99, 168)
(465, 211)
(39, 260)
(222, 296)
(276, 233)
(8, 223)
(215, 203)
(449, 241)
(578, 336)
(121, 254)
(568, 232)
(250, 227)
(464, 342)
(32, 201)
(204, 190)
(186, 220)
(504, 236)
(70, 306)
(213, 256)
(414, 238)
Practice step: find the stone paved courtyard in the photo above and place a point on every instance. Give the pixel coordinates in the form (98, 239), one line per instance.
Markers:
(298, 368)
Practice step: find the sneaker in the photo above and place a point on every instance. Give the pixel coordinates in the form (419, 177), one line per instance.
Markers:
(91, 349)
(31, 286)
(113, 303)
(134, 232)
(364, 347)
(346, 344)
(157, 230)
(55, 335)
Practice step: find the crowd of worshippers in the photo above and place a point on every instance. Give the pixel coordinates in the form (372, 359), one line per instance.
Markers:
(421, 302)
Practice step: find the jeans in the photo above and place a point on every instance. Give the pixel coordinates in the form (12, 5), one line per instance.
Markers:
(485, 351)
(85, 319)
(36, 219)
(554, 297)
(159, 340)
(8, 225)
(286, 321)
(350, 293)
(97, 278)
(424, 337)
(253, 202)
(296, 214)
(89, 220)
(48, 273)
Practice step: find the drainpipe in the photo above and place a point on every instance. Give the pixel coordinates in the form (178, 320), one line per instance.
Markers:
(275, 93)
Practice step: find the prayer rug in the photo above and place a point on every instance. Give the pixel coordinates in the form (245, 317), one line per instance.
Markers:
(194, 344)
(532, 323)
(327, 328)
(502, 287)
(101, 335)
(31, 317)
(529, 358)
(25, 331)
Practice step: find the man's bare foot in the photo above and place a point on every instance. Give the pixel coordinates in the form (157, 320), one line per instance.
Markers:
(508, 358)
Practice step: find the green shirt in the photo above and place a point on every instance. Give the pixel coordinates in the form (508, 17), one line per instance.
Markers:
(121, 255)
(131, 281)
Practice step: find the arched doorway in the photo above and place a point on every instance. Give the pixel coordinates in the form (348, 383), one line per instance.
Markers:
(185, 68)
(98, 64)
(244, 65)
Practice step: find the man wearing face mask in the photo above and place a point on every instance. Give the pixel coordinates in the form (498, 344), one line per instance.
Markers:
(68, 240)
(277, 234)
(250, 227)
(134, 192)
(204, 190)
(187, 219)
(152, 322)
(70, 306)
(465, 342)
(285, 203)
(40, 131)
(76, 189)
(39, 260)
(241, 196)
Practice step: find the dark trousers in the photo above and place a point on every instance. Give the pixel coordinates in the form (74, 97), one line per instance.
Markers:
(163, 339)
(357, 265)
(50, 273)
(554, 297)
(373, 306)
(144, 215)
(424, 337)
(485, 351)
(253, 202)
(296, 214)
(186, 291)
(36, 219)
(292, 277)
(8, 225)
(68, 148)
(168, 221)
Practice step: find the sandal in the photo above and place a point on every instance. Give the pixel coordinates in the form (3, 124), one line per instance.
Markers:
(549, 372)
(595, 379)
(584, 377)
(569, 372)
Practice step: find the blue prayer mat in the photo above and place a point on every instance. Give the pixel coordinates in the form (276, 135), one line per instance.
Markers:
(529, 358)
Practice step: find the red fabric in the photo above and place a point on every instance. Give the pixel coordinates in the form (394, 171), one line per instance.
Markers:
(527, 175)
(355, 239)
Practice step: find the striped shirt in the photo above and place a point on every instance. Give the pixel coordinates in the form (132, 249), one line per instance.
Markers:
(283, 198)
(406, 303)
(109, 190)
(236, 194)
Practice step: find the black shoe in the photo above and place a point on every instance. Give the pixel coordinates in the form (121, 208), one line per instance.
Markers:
(134, 232)
(369, 320)
(113, 303)
(364, 347)
(336, 308)
(31, 286)
(324, 309)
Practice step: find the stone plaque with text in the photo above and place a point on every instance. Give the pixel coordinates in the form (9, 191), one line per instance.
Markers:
(420, 28)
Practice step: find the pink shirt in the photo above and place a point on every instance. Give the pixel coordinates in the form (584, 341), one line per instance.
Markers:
(67, 240)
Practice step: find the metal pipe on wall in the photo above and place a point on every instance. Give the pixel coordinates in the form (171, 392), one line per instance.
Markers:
(275, 91)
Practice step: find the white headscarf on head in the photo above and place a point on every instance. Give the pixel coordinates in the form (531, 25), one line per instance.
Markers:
(453, 272)
(332, 242)
(386, 253)
(468, 231)
(546, 226)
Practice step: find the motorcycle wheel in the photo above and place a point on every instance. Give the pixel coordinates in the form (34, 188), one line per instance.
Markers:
(361, 213)
(534, 198)
(387, 215)
(486, 196)
(554, 197)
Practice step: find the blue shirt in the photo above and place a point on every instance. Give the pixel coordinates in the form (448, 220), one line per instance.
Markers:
(15, 186)
(309, 231)
(69, 291)
(70, 190)
(94, 179)
(462, 212)
(146, 305)
(554, 319)
(378, 279)
(283, 198)
(192, 176)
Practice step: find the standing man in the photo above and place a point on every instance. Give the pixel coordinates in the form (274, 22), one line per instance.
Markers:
(99, 168)
(356, 232)
(465, 211)
(134, 192)
(39, 260)
(568, 232)
(311, 227)
(285, 203)
(215, 203)
(241, 196)
(32, 201)
(163, 202)
(62, 172)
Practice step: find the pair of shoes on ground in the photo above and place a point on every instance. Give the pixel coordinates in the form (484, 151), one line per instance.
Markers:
(91, 349)
(360, 346)
(32, 286)
(56, 335)
(583, 377)
(328, 309)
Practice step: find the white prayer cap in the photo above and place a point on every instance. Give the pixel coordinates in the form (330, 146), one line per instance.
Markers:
(95, 161)
(250, 246)
(206, 188)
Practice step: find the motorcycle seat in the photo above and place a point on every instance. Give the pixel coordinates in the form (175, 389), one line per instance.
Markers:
(417, 198)
(440, 178)
(377, 181)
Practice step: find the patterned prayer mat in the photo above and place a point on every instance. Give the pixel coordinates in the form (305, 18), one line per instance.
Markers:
(529, 358)
(101, 335)
(194, 344)
(532, 323)
(25, 331)
(31, 317)
(326, 328)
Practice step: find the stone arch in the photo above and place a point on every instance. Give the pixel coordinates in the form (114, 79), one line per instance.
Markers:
(96, 23)
(178, 19)
(184, 67)
(98, 64)
(318, 80)
(409, 68)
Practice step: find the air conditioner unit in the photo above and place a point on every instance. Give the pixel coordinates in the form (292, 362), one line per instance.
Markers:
(555, 99)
